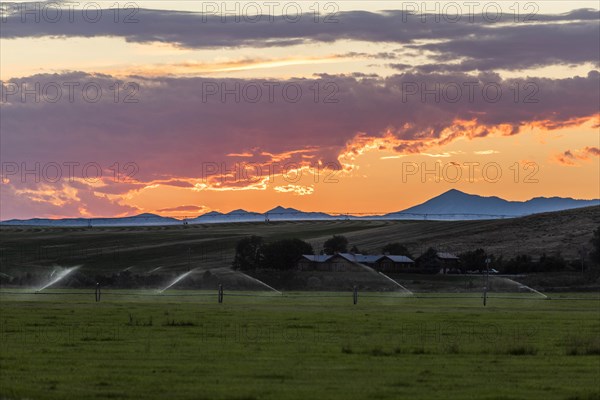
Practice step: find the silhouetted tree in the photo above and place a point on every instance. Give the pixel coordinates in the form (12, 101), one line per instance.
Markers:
(551, 263)
(247, 253)
(523, 263)
(356, 250)
(284, 254)
(519, 264)
(396, 249)
(473, 260)
(337, 244)
(429, 260)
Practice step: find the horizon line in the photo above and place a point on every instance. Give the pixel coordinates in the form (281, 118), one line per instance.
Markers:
(360, 214)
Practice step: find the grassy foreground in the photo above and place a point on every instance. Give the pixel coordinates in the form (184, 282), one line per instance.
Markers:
(184, 345)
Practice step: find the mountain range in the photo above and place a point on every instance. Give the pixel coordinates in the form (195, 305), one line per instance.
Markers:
(455, 204)
(450, 205)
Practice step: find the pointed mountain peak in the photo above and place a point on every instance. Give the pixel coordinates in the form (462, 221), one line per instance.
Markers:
(281, 210)
(454, 193)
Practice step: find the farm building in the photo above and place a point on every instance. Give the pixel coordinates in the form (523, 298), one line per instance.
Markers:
(393, 263)
(353, 262)
(309, 262)
(335, 262)
(448, 262)
(439, 261)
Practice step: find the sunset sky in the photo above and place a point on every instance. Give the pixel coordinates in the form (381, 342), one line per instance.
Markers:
(322, 106)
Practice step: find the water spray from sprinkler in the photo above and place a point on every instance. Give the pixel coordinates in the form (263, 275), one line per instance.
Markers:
(57, 276)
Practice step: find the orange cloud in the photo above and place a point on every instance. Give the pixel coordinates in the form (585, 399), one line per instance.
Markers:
(295, 189)
(419, 143)
(570, 158)
(190, 208)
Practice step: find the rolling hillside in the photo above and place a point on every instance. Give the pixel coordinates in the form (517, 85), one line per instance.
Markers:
(173, 248)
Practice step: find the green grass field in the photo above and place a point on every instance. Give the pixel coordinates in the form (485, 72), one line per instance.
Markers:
(184, 345)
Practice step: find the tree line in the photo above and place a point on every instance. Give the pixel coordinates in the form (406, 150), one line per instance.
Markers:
(253, 252)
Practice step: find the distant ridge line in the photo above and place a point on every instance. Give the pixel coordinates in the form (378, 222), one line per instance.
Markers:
(448, 206)
(366, 214)
(181, 219)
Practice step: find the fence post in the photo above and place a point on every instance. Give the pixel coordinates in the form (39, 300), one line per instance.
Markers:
(487, 280)
(220, 294)
(355, 295)
(484, 296)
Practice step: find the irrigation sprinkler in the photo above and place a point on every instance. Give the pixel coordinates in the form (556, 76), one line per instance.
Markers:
(220, 294)
(58, 277)
(98, 293)
(355, 295)
(258, 281)
(179, 278)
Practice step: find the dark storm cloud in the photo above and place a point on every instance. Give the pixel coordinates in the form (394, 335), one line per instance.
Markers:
(177, 125)
(519, 47)
(176, 131)
(478, 43)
